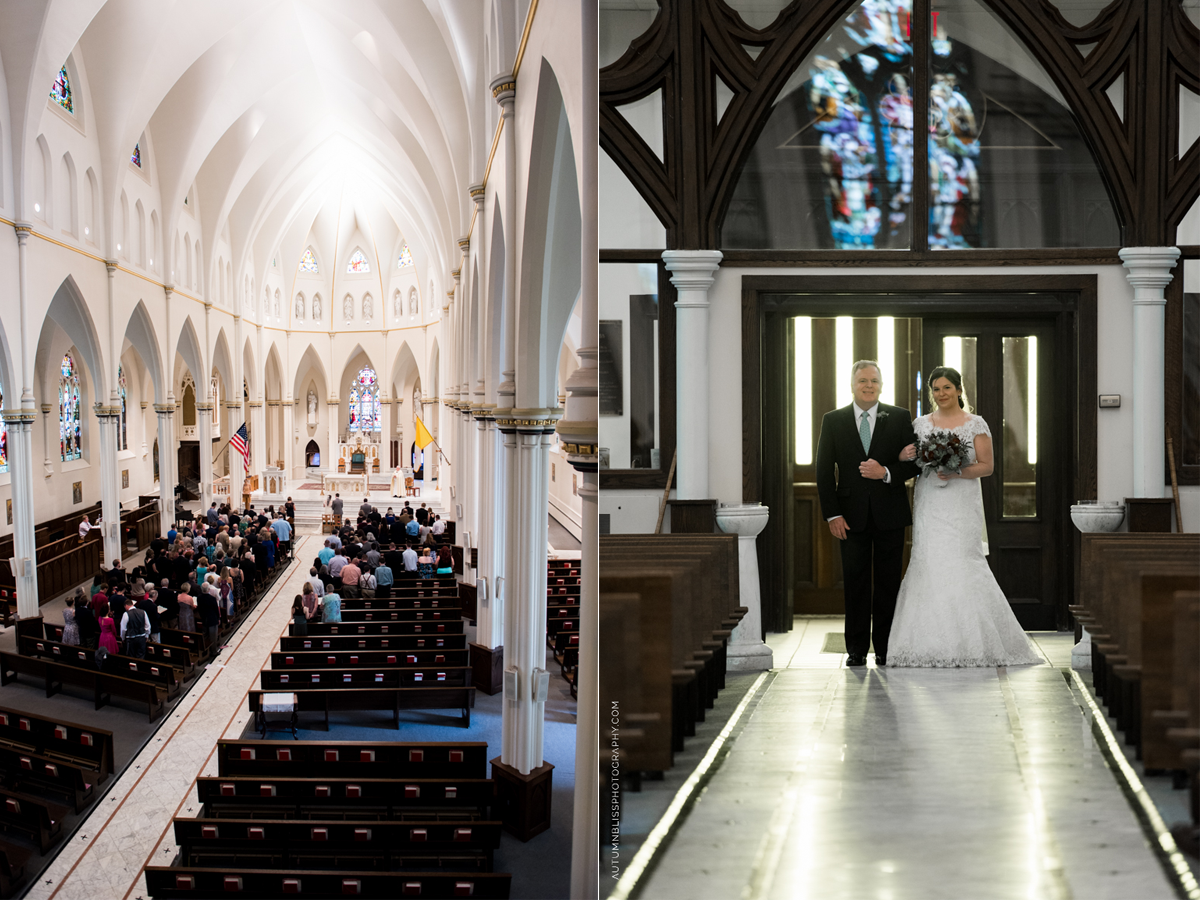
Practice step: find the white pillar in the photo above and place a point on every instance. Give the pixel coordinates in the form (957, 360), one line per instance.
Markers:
(204, 414)
(110, 487)
(167, 463)
(20, 465)
(692, 274)
(260, 450)
(746, 651)
(288, 438)
(329, 461)
(528, 434)
(492, 532)
(1149, 273)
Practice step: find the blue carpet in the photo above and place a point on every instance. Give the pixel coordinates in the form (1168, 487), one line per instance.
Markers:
(540, 868)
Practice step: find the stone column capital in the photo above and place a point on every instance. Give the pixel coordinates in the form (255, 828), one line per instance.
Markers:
(504, 92)
(164, 409)
(111, 265)
(464, 245)
(692, 271)
(18, 416)
(23, 230)
(1148, 269)
(477, 193)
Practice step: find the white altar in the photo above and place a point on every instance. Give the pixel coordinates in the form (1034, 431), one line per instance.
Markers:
(273, 481)
(346, 485)
(348, 447)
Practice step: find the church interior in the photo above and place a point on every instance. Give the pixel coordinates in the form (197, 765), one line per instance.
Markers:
(768, 219)
(277, 272)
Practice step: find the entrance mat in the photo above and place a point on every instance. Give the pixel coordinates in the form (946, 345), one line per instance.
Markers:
(835, 642)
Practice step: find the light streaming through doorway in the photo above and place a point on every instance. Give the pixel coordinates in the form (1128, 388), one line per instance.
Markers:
(802, 341)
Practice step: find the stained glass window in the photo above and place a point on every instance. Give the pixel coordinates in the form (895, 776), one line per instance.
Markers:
(61, 92)
(364, 402)
(122, 440)
(69, 435)
(136, 158)
(3, 438)
(358, 264)
(308, 262)
(405, 261)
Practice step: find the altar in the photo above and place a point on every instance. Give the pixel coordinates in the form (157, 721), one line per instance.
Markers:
(346, 485)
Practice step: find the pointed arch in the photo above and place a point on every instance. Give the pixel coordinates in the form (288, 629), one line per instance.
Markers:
(70, 312)
(250, 368)
(273, 374)
(310, 370)
(187, 347)
(405, 371)
(140, 333)
(222, 361)
(70, 193)
(551, 264)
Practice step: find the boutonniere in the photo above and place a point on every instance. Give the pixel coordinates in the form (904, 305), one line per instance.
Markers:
(882, 415)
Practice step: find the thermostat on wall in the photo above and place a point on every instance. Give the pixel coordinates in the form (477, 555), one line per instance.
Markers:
(1110, 401)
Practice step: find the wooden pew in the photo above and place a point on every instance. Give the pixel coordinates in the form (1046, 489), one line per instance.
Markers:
(182, 882)
(12, 867)
(419, 629)
(343, 642)
(114, 663)
(333, 678)
(375, 699)
(1111, 603)
(354, 759)
(342, 659)
(312, 797)
(1156, 702)
(195, 642)
(79, 745)
(638, 673)
(440, 614)
(36, 817)
(47, 775)
(178, 657)
(103, 686)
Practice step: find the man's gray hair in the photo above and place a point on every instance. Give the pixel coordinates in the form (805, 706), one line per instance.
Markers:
(862, 364)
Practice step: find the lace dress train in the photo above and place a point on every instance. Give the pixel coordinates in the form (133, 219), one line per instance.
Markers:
(950, 610)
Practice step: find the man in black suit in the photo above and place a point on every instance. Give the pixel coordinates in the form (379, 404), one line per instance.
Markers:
(867, 509)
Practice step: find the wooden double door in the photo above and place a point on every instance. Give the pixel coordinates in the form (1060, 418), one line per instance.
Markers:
(1009, 377)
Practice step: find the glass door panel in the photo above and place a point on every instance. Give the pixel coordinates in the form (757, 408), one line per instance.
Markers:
(1019, 484)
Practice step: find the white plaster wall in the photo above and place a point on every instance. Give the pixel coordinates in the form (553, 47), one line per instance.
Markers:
(565, 503)
(633, 512)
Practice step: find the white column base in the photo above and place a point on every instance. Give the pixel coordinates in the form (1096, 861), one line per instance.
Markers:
(749, 657)
(746, 651)
(1081, 653)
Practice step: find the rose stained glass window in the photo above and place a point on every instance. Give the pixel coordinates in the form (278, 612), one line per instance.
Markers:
(358, 264)
(365, 413)
(308, 263)
(136, 157)
(69, 434)
(61, 92)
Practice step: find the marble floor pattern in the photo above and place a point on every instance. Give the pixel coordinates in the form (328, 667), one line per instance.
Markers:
(889, 784)
(132, 824)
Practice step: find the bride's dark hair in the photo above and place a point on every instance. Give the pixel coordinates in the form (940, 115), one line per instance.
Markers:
(950, 375)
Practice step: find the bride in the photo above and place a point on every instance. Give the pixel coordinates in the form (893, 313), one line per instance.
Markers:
(964, 620)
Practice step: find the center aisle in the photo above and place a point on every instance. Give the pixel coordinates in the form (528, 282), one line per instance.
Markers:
(910, 783)
(132, 825)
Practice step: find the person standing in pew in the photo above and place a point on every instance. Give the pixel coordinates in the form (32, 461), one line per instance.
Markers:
(866, 506)
(331, 607)
(135, 630)
(149, 605)
(299, 618)
(383, 581)
(108, 631)
(70, 629)
(89, 628)
(210, 618)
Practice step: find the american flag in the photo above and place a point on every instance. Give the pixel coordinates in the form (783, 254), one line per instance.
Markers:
(241, 443)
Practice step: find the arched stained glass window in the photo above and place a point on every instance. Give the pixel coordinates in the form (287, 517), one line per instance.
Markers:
(833, 166)
(308, 263)
(61, 92)
(364, 402)
(69, 435)
(136, 157)
(3, 437)
(122, 438)
(405, 261)
(358, 264)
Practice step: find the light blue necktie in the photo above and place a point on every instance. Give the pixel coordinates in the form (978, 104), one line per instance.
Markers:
(864, 432)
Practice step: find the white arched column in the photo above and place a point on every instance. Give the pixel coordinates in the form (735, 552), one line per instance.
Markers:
(20, 465)
(109, 419)
(204, 415)
(1149, 271)
(235, 412)
(167, 463)
(692, 274)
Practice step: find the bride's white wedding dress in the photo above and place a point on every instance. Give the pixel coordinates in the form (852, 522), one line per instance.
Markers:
(950, 611)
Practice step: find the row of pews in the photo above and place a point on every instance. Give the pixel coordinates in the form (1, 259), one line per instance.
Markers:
(407, 651)
(318, 819)
(49, 769)
(666, 614)
(562, 617)
(1140, 602)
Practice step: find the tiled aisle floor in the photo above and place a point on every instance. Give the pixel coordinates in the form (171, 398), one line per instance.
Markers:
(132, 826)
(891, 784)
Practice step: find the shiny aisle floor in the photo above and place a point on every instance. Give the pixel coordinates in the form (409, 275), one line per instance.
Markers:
(889, 784)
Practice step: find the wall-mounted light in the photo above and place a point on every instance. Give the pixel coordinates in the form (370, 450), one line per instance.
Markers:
(37, 207)
(118, 246)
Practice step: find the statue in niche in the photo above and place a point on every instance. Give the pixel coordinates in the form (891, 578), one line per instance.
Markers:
(414, 305)
(312, 407)
(299, 306)
(397, 305)
(317, 308)
(348, 307)
(368, 308)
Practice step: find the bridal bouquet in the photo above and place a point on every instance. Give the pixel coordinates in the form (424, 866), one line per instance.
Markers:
(942, 450)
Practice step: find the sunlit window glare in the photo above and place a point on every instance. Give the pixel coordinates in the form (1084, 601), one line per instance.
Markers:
(952, 353)
(844, 360)
(886, 355)
(802, 340)
(1033, 399)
